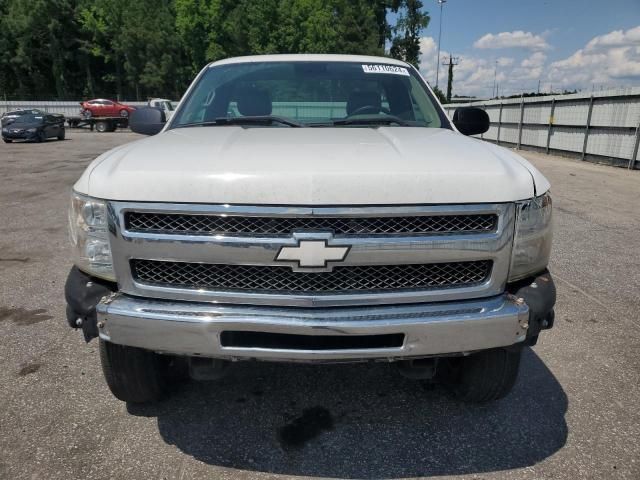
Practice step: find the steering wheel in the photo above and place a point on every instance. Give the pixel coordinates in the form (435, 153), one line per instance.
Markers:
(369, 109)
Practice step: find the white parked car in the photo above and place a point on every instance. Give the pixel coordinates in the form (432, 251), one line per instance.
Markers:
(162, 104)
(311, 208)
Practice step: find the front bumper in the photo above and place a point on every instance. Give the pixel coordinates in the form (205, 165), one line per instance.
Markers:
(196, 329)
(20, 136)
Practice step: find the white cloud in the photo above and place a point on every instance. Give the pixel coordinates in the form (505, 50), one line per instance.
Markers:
(472, 75)
(536, 59)
(609, 60)
(505, 61)
(617, 38)
(515, 39)
(428, 59)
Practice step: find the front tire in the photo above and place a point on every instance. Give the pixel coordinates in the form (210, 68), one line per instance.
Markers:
(6, 140)
(481, 377)
(61, 135)
(124, 113)
(132, 374)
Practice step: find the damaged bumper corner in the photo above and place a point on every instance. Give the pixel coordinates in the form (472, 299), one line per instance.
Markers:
(539, 294)
(83, 293)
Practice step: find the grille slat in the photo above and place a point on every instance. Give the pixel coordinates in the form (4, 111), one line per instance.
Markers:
(283, 280)
(199, 224)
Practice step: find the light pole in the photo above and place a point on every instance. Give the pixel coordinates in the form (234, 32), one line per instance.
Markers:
(495, 74)
(441, 3)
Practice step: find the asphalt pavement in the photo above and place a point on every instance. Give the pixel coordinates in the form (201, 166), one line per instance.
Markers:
(573, 413)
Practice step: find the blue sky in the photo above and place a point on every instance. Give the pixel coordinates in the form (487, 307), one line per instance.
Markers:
(535, 40)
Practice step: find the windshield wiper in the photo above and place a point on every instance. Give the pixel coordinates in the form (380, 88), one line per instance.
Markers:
(249, 120)
(377, 120)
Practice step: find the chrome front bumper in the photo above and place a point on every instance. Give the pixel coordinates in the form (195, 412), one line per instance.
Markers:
(187, 328)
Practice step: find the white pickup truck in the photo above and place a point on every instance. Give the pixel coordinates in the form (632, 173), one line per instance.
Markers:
(164, 105)
(311, 208)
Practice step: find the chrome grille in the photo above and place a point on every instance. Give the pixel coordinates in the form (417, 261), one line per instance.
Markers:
(342, 279)
(397, 254)
(180, 223)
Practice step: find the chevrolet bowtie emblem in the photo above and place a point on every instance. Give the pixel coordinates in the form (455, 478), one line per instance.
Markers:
(312, 254)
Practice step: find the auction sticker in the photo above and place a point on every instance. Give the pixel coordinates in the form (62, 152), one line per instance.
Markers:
(392, 69)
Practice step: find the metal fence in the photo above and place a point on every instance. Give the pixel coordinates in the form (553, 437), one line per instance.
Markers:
(67, 108)
(602, 127)
(295, 110)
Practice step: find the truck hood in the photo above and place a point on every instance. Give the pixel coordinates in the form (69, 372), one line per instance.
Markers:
(311, 166)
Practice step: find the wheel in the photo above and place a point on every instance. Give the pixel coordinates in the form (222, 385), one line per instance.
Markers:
(481, 377)
(6, 140)
(132, 374)
(102, 126)
(87, 113)
(42, 137)
(124, 113)
(61, 134)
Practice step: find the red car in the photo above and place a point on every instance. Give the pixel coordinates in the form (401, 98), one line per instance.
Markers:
(101, 107)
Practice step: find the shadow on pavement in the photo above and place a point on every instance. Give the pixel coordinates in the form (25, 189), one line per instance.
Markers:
(360, 421)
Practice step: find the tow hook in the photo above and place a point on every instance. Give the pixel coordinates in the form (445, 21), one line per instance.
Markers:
(418, 369)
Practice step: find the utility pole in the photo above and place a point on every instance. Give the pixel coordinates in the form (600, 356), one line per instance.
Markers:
(441, 3)
(494, 91)
(452, 62)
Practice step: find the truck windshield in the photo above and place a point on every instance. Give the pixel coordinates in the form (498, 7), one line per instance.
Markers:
(309, 94)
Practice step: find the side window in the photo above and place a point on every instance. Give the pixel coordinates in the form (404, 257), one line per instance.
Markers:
(107, 103)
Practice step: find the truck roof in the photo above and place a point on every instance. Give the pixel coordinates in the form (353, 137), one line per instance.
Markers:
(310, 57)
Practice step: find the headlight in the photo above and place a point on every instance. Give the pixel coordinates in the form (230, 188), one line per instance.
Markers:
(90, 236)
(532, 244)
(32, 130)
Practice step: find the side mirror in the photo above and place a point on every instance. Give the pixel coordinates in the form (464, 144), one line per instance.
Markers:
(147, 120)
(471, 120)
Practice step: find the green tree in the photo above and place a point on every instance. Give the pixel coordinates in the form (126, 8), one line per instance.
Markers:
(405, 43)
(450, 79)
(39, 38)
(100, 23)
(248, 27)
(198, 25)
(147, 44)
(380, 8)
(357, 25)
(306, 26)
(441, 96)
(136, 49)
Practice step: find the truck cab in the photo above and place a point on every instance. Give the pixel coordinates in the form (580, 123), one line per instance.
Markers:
(311, 208)
(164, 105)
